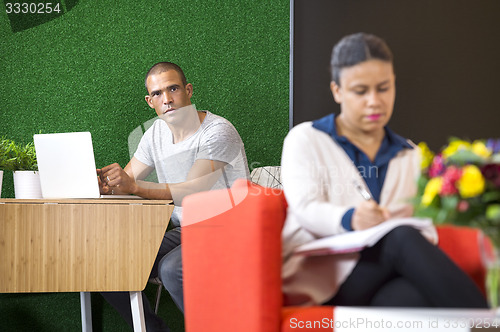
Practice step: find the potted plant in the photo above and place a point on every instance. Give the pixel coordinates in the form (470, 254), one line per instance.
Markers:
(5, 147)
(22, 162)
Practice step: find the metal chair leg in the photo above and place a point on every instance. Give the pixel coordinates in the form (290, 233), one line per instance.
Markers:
(157, 281)
(158, 295)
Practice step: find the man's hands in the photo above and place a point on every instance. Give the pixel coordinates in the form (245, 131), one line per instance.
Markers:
(114, 180)
(368, 214)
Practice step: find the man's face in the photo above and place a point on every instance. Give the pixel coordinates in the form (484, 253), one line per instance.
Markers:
(167, 93)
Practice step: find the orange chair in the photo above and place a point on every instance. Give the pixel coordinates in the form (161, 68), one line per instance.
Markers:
(231, 247)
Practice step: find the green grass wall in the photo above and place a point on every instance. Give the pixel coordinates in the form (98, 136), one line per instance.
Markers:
(83, 70)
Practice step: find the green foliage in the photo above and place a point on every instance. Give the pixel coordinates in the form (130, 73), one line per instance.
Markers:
(464, 157)
(493, 213)
(17, 157)
(6, 146)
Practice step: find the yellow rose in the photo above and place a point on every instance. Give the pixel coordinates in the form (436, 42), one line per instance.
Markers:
(479, 148)
(432, 188)
(471, 183)
(454, 146)
(427, 155)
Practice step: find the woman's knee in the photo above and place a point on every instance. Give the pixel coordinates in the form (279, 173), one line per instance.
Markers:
(403, 234)
(404, 231)
(401, 241)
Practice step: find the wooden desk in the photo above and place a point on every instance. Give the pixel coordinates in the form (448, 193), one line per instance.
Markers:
(89, 245)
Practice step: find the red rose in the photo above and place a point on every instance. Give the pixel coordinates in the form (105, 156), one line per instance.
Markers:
(437, 166)
(450, 177)
(491, 173)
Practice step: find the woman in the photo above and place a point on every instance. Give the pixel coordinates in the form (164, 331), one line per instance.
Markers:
(325, 162)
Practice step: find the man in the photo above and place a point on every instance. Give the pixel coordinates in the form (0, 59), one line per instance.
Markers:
(190, 151)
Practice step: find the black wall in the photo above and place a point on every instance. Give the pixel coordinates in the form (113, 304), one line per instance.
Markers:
(447, 62)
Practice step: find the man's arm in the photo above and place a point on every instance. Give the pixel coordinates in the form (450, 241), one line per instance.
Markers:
(137, 170)
(202, 176)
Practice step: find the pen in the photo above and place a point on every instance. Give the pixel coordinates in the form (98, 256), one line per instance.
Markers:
(366, 195)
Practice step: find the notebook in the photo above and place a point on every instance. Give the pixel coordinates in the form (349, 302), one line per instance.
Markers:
(357, 240)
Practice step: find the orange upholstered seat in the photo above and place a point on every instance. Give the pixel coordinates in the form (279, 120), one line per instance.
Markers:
(231, 247)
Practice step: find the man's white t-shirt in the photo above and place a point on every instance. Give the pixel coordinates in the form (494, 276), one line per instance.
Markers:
(216, 139)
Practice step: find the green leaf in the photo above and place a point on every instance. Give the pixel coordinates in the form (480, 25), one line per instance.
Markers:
(20, 157)
(449, 202)
(426, 212)
(491, 196)
(442, 217)
(462, 157)
(5, 150)
(493, 212)
(496, 158)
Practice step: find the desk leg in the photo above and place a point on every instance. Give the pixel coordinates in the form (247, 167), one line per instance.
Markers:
(86, 310)
(137, 311)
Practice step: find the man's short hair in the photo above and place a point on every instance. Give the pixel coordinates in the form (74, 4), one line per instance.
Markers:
(161, 67)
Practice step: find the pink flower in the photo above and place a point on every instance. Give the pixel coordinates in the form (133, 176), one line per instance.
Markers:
(451, 175)
(463, 206)
(437, 166)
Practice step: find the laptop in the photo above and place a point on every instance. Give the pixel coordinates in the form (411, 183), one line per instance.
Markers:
(67, 166)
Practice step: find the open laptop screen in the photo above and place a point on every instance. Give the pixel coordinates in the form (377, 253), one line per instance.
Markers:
(66, 165)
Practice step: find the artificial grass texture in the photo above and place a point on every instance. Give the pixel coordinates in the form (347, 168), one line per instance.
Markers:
(84, 70)
(49, 312)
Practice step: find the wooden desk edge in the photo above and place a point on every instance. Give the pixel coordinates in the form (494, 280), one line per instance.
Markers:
(85, 201)
(44, 242)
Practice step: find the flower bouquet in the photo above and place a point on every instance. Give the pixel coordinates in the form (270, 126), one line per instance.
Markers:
(461, 185)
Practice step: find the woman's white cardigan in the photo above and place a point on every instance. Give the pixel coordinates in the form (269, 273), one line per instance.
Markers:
(319, 182)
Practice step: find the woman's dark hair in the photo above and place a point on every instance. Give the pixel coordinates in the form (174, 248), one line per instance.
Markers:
(357, 48)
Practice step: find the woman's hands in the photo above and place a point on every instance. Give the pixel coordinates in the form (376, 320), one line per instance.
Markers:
(114, 180)
(368, 214)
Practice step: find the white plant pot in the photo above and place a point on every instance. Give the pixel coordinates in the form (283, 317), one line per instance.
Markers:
(1, 178)
(27, 184)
